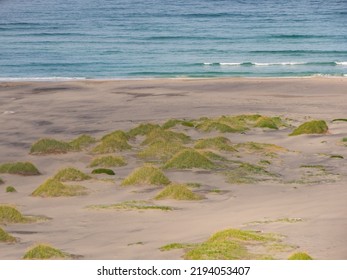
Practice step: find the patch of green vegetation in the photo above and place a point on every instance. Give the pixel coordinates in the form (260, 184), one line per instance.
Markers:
(112, 142)
(103, 171)
(44, 252)
(108, 161)
(264, 162)
(6, 238)
(189, 158)
(1, 181)
(177, 192)
(311, 127)
(9, 214)
(173, 246)
(300, 256)
(162, 135)
(213, 156)
(146, 175)
(193, 185)
(54, 188)
(131, 205)
(71, 174)
(217, 143)
(136, 243)
(280, 220)
(161, 150)
(247, 173)
(262, 148)
(10, 189)
(239, 123)
(344, 139)
(337, 156)
(319, 167)
(19, 168)
(173, 122)
(142, 129)
(230, 244)
(215, 191)
(82, 142)
(50, 146)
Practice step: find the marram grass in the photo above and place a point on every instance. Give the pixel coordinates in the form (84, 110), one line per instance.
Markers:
(103, 171)
(131, 205)
(108, 161)
(247, 173)
(19, 168)
(71, 174)
(311, 127)
(6, 237)
(161, 150)
(173, 122)
(142, 129)
(162, 135)
(10, 215)
(44, 252)
(50, 146)
(54, 188)
(146, 175)
(300, 256)
(112, 142)
(188, 159)
(11, 189)
(82, 142)
(217, 143)
(178, 192)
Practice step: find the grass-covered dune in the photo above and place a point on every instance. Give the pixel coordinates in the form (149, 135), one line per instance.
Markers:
(19, 168)
(45, 252)
(54, 188)
(146, 175)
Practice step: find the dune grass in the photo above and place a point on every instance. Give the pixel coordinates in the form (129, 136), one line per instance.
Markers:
(10, 189)
(10, 215)
(113, 142)
(146, 175)
(247, 173)
(311, 127)
(19, 168)
(160, 151)
(230, 244)
(71, 174)
(344, 139)
(82, 142)
(44, 252)
(108, 161)
(260, 148)
(189, 158)
(339, 120)
(173, 122)
(1, 181)
(50, 146)
(217, 143)
(103, 171)
(177, 192)
(238, 123)
(54, 188)
(161, 135)
(142, 129)
(6, 237)
(131, 205)
(300, 256)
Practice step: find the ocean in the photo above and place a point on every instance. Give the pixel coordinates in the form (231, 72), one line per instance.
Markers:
(125, 39)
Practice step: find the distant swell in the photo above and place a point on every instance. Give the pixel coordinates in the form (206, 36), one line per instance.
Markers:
(328, 63)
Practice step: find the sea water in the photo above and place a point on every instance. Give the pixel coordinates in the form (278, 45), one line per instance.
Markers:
(53, 39)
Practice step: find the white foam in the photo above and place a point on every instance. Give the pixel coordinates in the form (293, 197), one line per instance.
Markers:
(230, 63)
(341, 63)
(29, 79)
(8, 112)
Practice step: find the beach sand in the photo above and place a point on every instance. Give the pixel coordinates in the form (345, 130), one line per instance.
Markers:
(66, 109)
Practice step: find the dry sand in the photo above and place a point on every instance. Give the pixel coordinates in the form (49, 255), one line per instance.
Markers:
(64, 110)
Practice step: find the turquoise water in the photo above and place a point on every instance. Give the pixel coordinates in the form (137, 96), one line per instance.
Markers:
(190, 38)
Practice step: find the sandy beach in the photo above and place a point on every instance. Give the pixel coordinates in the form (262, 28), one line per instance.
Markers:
(305, 203)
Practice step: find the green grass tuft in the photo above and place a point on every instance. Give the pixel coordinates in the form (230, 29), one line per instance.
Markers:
(19, 168)
(112, 142)
(54, 188)
(131, 205)
(247, 173)
(6, 238)
(50, 146)
(161, 135)
(44, 252)
(173, 122)
(266, 122)
(173, 246)
(142, 129)
(146, 175)
(108, 161)
(103, 171)
(311, 127)
(10, 189)
(161, 150)
(178, 192)
(339, 120)
(1, 181)
(9, 214)
(189, 158)
(217, 143)
(344, 139)
(337, 156)
(300, 256)
(82, 142)
(260, 148)
(71, 174)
